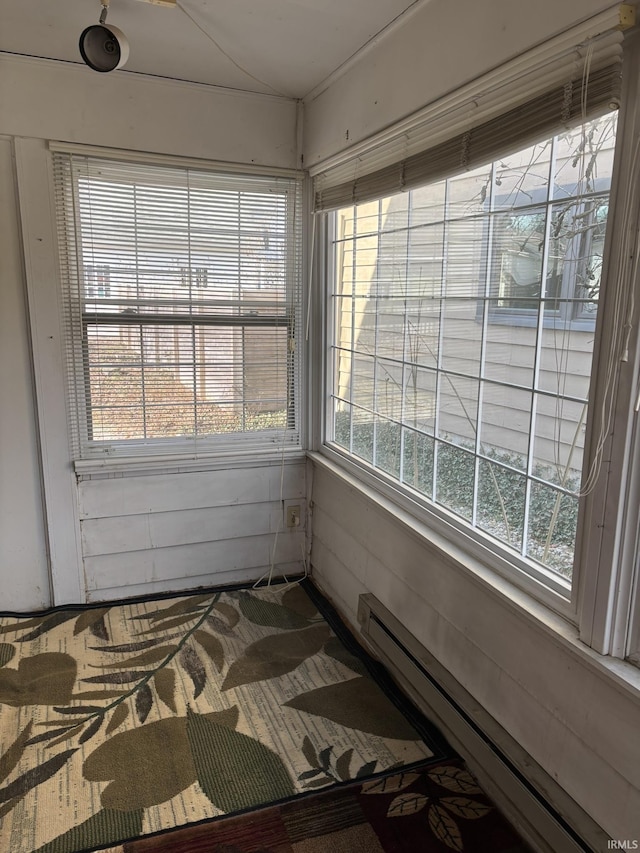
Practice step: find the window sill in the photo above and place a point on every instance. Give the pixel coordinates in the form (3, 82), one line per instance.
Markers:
(181, 462)
(540, 615)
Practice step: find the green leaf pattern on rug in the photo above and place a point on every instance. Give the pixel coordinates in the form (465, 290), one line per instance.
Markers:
(176, 622)
(275, 655)
(144, 702)
(269, 613)
(40, 624)
(107, 826)
(226, 621)
(297, 599)
(34, 777)
(212, 646)
(164, 681)
(336, 650)
(234, 770)
(94, 620)
(118, 718)
(140, 768)
(206, 748)
(358, 704)
(194, 668)
(194, 604)
(44, 679)
(141, 764)
(326, 768)
(147, 658)
(12, 755)
(7, 653)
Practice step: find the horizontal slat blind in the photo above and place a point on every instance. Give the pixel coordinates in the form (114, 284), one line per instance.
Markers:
(538, 94)
(181, 297)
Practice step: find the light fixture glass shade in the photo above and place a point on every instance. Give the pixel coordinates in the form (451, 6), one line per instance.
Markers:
(104, 48)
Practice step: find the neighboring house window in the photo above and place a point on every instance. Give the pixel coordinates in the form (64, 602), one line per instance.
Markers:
(463, 338)
(174, 338)
(196, 277)
(97, 282)
(546, 237)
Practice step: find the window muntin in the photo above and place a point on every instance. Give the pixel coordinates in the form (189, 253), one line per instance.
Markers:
(468, 388)
(193, 339)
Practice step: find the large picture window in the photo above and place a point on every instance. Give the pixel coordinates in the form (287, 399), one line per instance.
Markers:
(181, 295)
(463, 334)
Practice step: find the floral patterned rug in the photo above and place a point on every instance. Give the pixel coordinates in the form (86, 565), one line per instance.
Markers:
(124, 720)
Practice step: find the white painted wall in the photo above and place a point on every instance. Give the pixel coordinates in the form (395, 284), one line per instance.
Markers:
(441, 46)
(530, 673)
(71, 103)
(158, 532)
(24, 581)
(98, 551)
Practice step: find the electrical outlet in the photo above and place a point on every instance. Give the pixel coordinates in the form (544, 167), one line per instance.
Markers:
(293, 515)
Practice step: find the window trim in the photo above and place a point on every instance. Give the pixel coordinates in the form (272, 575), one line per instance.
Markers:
(607, 550)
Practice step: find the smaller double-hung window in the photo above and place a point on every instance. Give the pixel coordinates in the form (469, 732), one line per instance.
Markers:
(181, 296)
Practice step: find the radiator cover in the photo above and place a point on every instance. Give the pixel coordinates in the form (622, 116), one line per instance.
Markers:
(535, 804)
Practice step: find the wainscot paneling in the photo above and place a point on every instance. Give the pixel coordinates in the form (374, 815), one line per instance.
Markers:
(158, 532)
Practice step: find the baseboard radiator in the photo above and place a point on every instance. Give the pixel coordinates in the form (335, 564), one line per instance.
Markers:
(534, 803)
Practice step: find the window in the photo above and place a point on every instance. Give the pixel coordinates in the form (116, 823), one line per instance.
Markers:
(184, 330)
(97, 282)
(463, 333)
(555, 223)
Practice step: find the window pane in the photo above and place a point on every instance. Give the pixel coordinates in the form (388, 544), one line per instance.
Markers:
(388, 449)
(522, 179)
(342, 424)
(553, 520)
(510, 350)
(181, 299)
(362, 426)
(455, 479)
(518, 242)
(505, 419)
(417, 461)
(469, 350)
(501, 502)
(170, 372)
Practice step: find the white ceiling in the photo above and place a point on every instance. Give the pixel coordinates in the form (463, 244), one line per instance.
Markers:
(288, 47)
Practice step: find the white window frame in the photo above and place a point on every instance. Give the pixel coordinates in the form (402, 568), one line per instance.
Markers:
(603, 602)
(89, 455)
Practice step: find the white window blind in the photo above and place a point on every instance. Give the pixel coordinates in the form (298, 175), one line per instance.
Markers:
(553, 87)
(181, 300)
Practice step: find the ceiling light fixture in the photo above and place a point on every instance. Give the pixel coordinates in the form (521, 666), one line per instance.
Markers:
(104, 48)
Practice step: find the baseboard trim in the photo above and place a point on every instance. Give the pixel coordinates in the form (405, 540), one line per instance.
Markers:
(545, 815)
